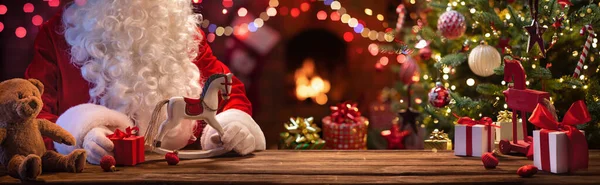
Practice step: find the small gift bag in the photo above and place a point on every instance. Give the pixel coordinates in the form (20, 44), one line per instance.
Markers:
(505, 132)
(560, 147)
(473, 138)
(301, 134)
(129, 148)
(438, 140)
(345, 128)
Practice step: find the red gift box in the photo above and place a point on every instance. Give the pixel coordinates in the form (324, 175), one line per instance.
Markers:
(345, 128)
(560, 147)
(129, 148)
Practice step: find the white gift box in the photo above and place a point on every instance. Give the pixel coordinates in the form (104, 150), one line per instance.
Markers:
(505, 132)
(479, 138)
(558, 144)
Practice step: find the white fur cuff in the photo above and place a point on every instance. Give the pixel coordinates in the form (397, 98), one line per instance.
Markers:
(229, 116)
(80, 119)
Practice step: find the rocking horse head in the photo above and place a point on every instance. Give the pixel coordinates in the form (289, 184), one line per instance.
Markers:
(514, 72)
(223, 83)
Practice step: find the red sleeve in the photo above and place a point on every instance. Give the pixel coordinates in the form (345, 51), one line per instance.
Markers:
(43, 67)
(209, 65)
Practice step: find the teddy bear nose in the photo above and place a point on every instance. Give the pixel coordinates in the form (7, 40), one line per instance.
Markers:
(33, 104)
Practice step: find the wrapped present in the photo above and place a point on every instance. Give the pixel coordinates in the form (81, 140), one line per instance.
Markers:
(438, 140)
(473, 138)
(301, 134)
(345, 128)
(559, 147)
(505, 132)
(129, 148)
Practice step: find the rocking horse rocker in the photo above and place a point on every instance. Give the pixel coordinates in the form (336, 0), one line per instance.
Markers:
(519, 98)
(179, 108)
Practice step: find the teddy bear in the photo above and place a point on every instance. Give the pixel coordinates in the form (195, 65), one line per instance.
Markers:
(22, 149)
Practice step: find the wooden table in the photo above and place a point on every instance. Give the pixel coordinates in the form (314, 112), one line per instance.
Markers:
(330, 167)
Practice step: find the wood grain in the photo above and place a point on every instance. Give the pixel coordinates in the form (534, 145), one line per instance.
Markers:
(327, 167)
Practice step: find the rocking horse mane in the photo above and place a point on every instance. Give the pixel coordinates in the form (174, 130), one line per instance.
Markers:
(209, 81)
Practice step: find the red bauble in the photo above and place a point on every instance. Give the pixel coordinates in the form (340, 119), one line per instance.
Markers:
(409, 71)
(439, 96)
(452, 25)
(527, 171)
(489, 160)
(108, 163)
(425, 53)
(172, 158)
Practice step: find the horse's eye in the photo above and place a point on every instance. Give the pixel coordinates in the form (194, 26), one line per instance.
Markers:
(20, 95)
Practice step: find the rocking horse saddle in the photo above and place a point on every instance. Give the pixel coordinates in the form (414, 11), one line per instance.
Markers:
(193, 106)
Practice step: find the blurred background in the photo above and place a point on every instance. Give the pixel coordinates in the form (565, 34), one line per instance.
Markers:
(297, 44)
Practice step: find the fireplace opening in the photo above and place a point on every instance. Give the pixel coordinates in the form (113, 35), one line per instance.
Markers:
(315, 60)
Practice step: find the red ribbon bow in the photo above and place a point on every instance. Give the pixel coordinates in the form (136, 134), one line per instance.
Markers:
(488, 122)
(118, 134)
(345, 113)
(578, 151)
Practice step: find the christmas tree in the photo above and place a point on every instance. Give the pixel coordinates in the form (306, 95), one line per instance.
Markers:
(462, 44)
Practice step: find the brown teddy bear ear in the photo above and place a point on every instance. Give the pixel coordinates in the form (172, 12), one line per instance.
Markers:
(37, 84)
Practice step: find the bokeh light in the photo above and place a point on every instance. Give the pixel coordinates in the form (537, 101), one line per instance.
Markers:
(321, 15)
(28, 8)
(1, 26)
(21, 32)
(37, 20)
(335, 16)
(56, 3)
(283, 11)
(304, 7)
(335, 5)
(348, 37)
(3, 9)
(384, 60)
(242, 12)
(271, 12)
(210, 37)
(294, 12)
(228, 3)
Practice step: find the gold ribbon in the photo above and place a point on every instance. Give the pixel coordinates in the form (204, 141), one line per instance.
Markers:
(438, 135)
(301, 130)
(505, 116)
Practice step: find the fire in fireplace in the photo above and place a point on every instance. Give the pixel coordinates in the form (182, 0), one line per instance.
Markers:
(309, 84)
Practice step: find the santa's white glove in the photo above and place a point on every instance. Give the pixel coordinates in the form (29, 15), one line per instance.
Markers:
(236, 137)
(89, 124)
(97, 145)
(241, 133)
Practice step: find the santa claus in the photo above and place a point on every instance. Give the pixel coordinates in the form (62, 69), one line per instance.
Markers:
(106, 63)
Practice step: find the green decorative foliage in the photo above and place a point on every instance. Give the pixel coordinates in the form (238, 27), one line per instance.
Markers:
(494, 22)
(490, 89)
(452, 60)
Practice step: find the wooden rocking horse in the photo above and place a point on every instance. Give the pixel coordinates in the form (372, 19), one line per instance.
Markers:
(180, 108)
(519, 98)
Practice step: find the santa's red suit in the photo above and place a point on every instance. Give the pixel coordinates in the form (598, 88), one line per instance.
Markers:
(66, 88)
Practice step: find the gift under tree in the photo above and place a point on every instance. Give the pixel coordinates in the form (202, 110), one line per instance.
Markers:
(124, 73)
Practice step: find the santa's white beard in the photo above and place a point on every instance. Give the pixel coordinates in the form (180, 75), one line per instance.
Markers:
(135, 53)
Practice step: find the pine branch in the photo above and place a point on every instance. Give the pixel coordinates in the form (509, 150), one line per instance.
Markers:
(540, 72)
(514, 18)
(490, 89)
(452, 60)
(488, 18)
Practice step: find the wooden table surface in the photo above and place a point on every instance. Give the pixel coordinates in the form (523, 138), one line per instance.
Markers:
(326, 167)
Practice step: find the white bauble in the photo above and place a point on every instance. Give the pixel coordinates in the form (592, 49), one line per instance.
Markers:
(484, 59)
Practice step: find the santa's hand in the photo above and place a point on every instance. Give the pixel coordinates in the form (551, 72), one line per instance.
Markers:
(236, 137)
(97, 145)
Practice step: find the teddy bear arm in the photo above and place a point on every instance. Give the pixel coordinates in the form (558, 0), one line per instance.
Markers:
(2, 135)
(55, 132)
